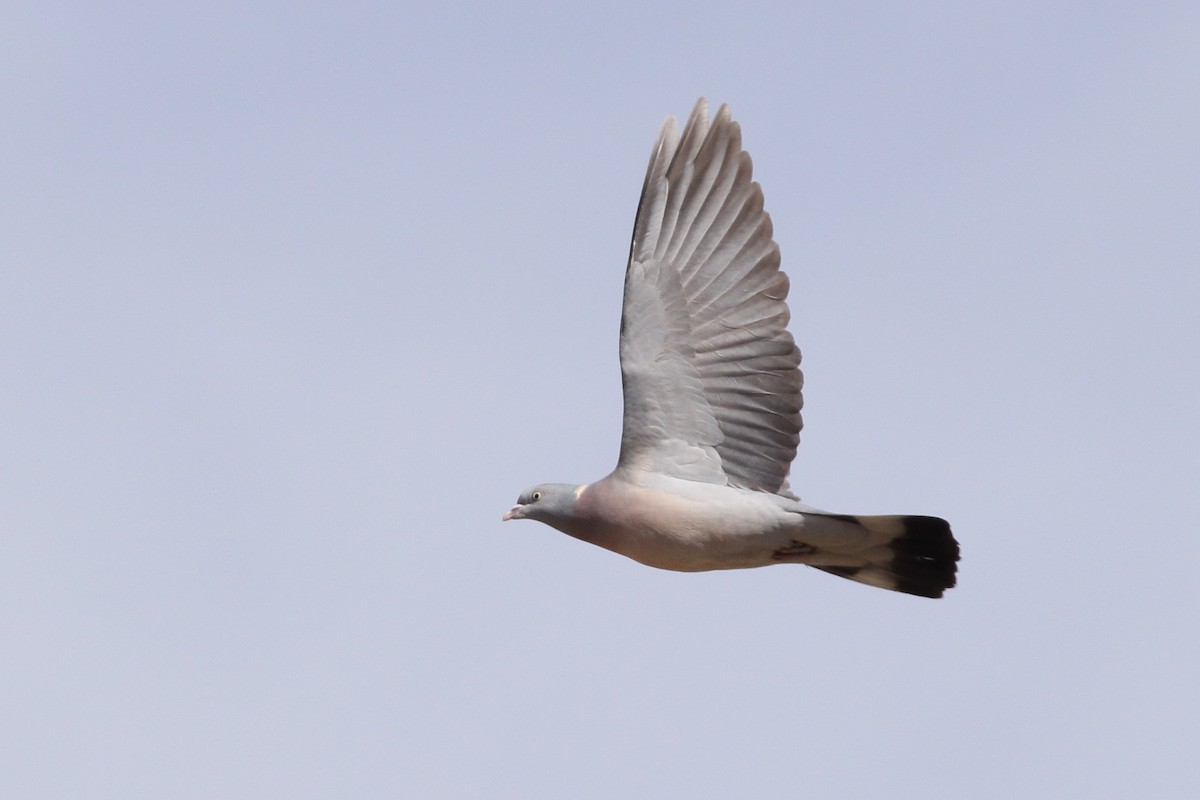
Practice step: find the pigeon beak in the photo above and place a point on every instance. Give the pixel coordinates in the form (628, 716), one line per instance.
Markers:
(513, 513)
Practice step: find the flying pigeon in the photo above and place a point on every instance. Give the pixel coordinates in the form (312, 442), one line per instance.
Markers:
(712, 391)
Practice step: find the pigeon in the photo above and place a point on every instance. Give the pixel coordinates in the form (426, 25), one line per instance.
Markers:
(712, 393)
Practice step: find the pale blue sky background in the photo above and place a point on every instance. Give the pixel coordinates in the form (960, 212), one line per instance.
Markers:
(296, 298)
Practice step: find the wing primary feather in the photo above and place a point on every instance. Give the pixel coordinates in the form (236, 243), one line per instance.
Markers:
(654, 188)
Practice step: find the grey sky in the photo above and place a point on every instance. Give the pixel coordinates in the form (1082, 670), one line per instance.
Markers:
(295, 300)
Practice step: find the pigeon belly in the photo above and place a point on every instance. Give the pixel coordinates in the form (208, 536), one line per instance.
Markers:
(683, 526)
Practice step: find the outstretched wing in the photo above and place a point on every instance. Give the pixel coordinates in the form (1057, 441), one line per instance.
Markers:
(710, 373)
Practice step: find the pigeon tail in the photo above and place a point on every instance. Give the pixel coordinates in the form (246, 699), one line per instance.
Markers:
(914, 555)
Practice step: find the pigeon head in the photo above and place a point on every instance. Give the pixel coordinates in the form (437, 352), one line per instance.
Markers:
(545, 502)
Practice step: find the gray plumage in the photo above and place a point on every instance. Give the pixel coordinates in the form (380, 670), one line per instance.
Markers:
(712, 391)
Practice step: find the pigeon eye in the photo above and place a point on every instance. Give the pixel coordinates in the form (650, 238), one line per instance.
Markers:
(537, 496)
